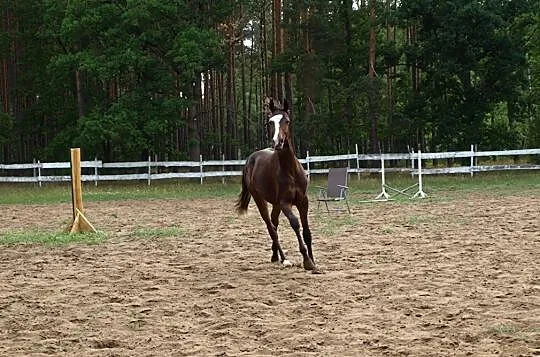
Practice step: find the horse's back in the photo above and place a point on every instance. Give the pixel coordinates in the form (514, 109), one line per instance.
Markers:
(260, 174)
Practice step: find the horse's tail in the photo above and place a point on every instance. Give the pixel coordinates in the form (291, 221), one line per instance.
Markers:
(244, 196)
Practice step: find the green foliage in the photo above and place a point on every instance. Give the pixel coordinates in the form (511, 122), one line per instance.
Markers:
(195, 50)
(6, 125)
(472, 59)
(448, 74)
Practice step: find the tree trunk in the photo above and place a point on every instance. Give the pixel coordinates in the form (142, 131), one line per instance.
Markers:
(277, 49)
(250, 97)
(231, 104)
(81, 104)
(265, 86)
(347, 8)
(194, 120)
(371, 75)
(308, 67)
(245, 124)
(390, 33)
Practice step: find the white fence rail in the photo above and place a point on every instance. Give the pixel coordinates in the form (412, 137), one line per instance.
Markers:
(157, 170)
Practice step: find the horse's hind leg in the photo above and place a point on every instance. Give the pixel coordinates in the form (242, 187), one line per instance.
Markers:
(308, 262)
(306, 232)
(272, 230)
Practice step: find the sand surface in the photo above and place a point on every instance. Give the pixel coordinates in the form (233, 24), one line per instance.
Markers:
(449, 277)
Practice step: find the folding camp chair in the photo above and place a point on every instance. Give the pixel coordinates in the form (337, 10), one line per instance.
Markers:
(337, 189)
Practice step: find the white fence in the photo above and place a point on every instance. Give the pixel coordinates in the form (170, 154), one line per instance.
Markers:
(157, 170)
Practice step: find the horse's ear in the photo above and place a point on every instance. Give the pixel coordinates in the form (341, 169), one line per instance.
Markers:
(272, 106)
(286, 108)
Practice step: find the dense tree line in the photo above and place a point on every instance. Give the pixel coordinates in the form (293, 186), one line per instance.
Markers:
(125, 79)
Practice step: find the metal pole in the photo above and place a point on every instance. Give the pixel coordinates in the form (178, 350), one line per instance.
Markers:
(357, 162)
(420, 192)
(383, 179)
(383, 195)
(412, 162)
(419, 170)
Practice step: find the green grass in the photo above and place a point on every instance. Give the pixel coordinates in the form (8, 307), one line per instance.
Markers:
(437, 187)
(386, 230)
(158, 232)
(525, 333)
(443, 186)
(334, 224)
(415, 220)
(497, 183)
(50, 238)
(114, 191)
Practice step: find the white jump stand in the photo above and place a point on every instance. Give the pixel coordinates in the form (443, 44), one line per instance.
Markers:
(384, 196)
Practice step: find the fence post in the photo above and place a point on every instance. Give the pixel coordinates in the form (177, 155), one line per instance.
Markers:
(357, 162)
(472, 160)
(34, 170)
(95, 171)
(39, 172)
(149, 169)
(307, 162)
(223, 169)
(201, 168)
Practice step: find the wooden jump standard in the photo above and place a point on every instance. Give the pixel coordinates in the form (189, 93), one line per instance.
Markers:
(80, 223)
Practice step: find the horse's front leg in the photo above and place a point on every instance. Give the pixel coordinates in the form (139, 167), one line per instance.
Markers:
(275, 222)
(286, 208)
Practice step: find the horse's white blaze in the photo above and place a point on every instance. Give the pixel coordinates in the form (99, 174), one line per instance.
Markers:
(287, 263)
(276, 119)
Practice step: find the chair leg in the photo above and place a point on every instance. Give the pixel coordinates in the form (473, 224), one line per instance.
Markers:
(327, 209)
(348, 208)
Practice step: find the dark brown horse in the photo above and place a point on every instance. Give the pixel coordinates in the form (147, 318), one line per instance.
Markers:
(276, 176)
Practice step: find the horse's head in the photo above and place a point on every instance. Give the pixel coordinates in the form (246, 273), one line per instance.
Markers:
(278, 126)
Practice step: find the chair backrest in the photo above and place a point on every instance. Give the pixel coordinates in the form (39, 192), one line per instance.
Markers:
(336, 176)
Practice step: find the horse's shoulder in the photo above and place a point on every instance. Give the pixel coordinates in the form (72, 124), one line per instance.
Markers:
(256, 155)
(263, 153)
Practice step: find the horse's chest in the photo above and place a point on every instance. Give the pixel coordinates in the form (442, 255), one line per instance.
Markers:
(291, 187)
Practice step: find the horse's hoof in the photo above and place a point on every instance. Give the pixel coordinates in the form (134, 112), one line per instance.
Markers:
(317, 271)
(286, 263)
(308, 264)
(274, 259)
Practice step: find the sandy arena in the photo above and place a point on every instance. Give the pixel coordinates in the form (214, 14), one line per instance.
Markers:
(441, 277)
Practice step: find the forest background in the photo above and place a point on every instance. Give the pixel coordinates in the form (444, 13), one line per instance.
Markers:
(174, 79)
